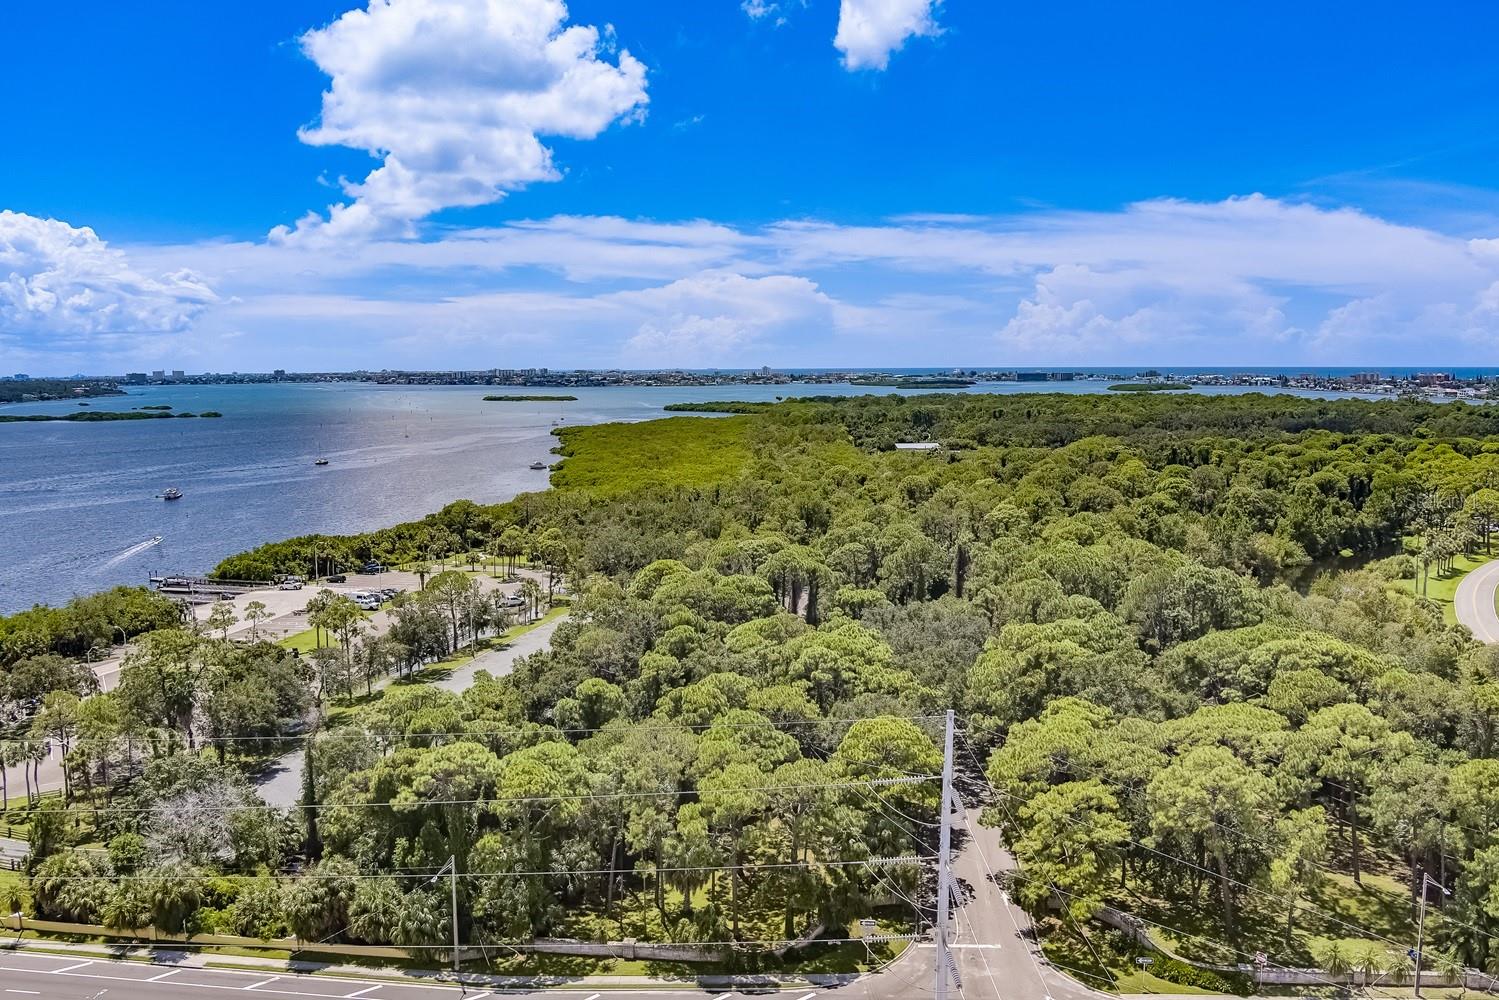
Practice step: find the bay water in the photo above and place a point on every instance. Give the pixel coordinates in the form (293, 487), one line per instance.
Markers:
(79, 505)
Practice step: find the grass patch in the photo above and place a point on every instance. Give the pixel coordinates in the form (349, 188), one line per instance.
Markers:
(304, 641)
(1147, 982)
(1442, 587)
(612, 459)
(1380, 906)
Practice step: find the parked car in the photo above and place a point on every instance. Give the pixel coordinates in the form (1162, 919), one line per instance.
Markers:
(372, 567)
(512, 601)
(291, 584)
(338, 578)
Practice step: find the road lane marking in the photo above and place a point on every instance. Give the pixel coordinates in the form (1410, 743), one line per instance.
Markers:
(58, 972)
(594, 997)
(360, 993)
(164, 975)
(723, 996)
(480, 996)
(202, 986)
(261, 983)
(35, 993)
(809, 996)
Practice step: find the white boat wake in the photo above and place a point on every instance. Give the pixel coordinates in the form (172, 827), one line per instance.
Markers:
(133, 550)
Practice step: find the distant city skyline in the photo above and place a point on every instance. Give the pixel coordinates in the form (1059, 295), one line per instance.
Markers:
(426, 184)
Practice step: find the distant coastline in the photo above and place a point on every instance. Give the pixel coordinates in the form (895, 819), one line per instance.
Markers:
(1435, 382)
(45, 390)
(530, 399)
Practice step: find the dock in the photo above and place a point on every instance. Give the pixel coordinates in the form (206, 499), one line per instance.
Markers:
(201, 589)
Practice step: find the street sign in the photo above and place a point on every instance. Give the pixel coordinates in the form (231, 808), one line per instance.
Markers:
(1144, 961)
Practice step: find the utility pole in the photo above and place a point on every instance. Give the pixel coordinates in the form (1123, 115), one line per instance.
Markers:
(453, 889)
(1421, 924)
(451, 871)
(943, 974)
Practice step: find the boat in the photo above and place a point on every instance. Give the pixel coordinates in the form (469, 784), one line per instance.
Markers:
(170, 493)
(538, 466)
(321, 461)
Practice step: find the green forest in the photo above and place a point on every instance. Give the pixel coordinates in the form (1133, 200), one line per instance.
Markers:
(1198, 680)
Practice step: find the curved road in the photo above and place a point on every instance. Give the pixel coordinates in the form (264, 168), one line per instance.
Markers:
(1474, 602)
(281, 784)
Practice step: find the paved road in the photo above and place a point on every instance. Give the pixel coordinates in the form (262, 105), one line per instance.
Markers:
(1474, 602)
(500, 662)
(281, 784)
(994, 951)
(74, 978)
(994, 945)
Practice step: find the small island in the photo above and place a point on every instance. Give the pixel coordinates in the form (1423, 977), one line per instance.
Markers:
(529, 399)
(718, 406)
(99, 416)
(915, 382)
(1148, 387)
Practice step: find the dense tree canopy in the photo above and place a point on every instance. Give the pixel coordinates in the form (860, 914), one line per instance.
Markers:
(1185, 635)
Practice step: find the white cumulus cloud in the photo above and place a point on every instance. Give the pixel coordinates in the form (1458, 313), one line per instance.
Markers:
(1245, 280)
(454, 97)
(63, 289)
(718, 317)
(870, 30)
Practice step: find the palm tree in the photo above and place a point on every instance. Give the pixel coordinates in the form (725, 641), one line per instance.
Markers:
(1335, 961)
(1369, 963)
(1451, 968)
(10, 755)
(532, 592)
(15, 902)
(1401, 965)
(421, 569)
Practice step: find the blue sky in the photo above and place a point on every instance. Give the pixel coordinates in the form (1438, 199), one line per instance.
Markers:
(877, 182)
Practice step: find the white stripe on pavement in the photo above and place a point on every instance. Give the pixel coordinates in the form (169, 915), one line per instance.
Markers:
(35, 993)
(594, 997)
(171, 972)
(195, 986)
(58, 972)
(723, 996)
(360, 993)
(809, 996)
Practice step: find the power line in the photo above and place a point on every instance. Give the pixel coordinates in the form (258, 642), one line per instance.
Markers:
(1187, 934)
(521, 799)
(1231, 829)
(427, 873)
(1225, 879)
(524, 729)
